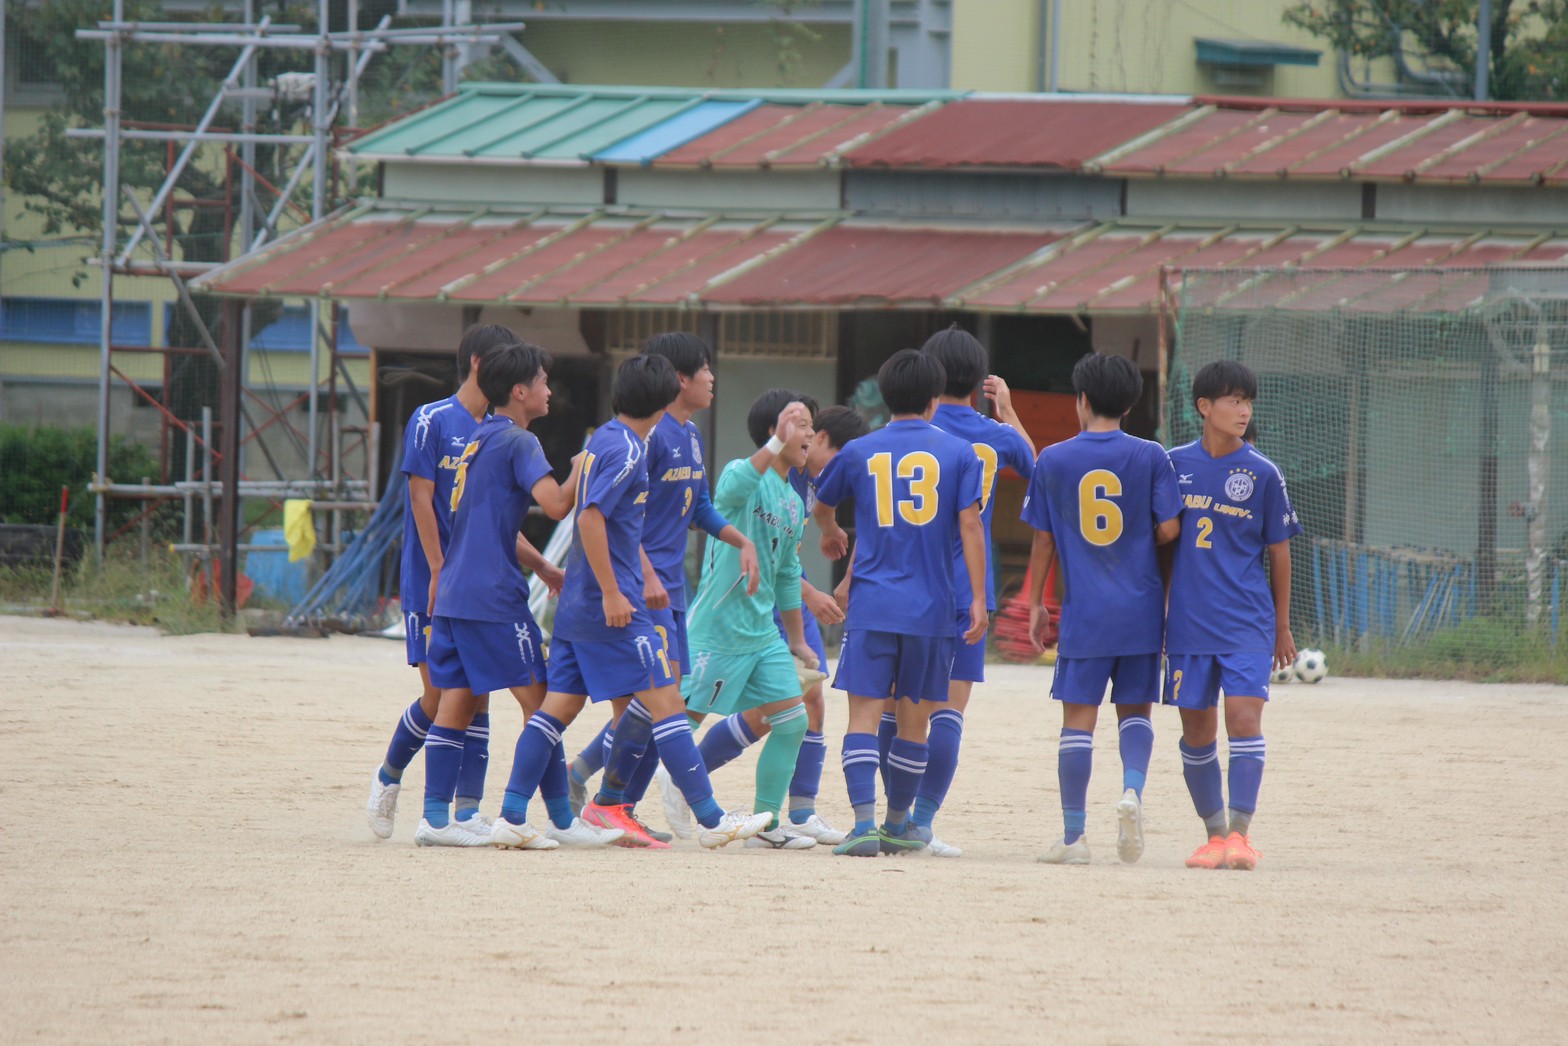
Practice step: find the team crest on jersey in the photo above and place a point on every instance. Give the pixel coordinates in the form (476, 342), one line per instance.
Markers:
(1239, 485)
(696, 450)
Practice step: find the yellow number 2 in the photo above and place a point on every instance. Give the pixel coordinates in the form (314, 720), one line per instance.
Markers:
(923, 472)
(1099, 520)
(1205, 528)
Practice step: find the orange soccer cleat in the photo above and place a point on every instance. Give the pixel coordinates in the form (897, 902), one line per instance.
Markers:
(620, 816)
(1210, 855)
(1239, 853)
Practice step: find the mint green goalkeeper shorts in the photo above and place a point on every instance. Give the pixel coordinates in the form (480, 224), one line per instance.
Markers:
(722, 684)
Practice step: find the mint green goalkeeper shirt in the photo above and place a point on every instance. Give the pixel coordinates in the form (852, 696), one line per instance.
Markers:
(723, 618)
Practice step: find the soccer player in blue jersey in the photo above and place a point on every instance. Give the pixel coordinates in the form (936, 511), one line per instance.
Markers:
(917, 496)
(432, 446)
(678, 500)
(605, 643)
(483, 636)
(999, 443)
(1228, 619)
(1102, 501)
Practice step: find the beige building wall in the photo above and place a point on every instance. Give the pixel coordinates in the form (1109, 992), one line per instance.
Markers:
(1132, 46)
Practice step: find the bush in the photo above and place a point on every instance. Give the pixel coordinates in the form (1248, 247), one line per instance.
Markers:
(37, 461)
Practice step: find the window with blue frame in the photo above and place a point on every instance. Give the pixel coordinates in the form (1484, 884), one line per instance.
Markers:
(290, 332)
(73, 321)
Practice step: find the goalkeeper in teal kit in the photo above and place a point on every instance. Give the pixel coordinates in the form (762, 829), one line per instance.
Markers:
(738, 660)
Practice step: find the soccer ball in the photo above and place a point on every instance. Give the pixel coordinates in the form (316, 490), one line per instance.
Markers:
(1283, 675)
(1310, 666)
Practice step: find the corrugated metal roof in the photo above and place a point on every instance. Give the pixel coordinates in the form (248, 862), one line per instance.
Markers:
(1385, 142)
(1116, 267)
(1013, 132)
(532, 259)
(789, 135)
(562, 123)
(878, 266)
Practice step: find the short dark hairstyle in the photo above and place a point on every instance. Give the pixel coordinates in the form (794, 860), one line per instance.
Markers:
(504, 367)
(764, 413)
(1251, 435)
(841, 424)
(910, 380)
(1112, 383)
(643, 386)
(962, 357)
(477, 340)
(1224, 378)
(687, 352)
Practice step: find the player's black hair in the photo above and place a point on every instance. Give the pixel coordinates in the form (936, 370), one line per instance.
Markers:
(1251, 435)
(687, 352)
(765, 409)
(1224, 378)
(504, 367)
(962, 357)
(643, 386)
(842, 424)
(1112, 383)
(910, 380)
(476, 340)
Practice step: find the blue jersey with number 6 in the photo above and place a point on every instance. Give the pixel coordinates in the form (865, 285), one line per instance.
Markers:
(1100, 495)
(909, 481)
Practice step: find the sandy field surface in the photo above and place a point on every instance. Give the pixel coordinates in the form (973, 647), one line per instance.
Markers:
(184, 858)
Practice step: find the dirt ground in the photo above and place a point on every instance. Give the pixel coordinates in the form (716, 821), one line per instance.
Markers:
(184, 858)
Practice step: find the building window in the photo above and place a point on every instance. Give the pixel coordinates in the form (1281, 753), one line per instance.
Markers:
(73, 321)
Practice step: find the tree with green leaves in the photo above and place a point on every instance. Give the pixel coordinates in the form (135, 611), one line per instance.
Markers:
(1526, 46)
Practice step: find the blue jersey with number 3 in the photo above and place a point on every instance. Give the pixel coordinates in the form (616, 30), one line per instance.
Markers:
(432, 444)
(614, 479)
(997, 446)
(1100, 495)
(481, 579)
(677, 499)
(1235, 507)
(909, 480)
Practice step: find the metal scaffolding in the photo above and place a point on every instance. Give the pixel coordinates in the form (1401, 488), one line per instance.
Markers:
(324, 482)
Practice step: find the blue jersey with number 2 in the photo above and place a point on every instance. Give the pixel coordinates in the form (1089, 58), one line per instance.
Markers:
(909, 481)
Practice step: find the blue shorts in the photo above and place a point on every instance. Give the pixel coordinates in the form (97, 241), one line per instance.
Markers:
(1135, 679)
(616, 668)
(1195, 680)
(417, 638)
(968, 658)
(485, 655)
(722, 684)
(813, 633)
(671, 626)
(887, 664)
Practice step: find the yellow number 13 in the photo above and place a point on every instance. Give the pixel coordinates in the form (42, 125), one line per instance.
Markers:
(923, 472)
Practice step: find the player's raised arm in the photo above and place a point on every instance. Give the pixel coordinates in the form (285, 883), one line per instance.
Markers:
(556, 499)
(1001, 398)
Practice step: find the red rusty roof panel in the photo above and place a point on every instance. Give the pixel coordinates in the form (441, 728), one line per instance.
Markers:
(1262, 134)
(1172, 147)
(785, 135)
(1008, 132)
(680, 284)
(308, 253)
(849, 265)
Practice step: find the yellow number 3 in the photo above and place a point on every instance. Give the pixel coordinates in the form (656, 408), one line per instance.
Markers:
(1099, 520)
(460, 483)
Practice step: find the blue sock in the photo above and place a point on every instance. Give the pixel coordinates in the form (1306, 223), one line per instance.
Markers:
(725, 741)
(906, 765)
(536, 747)
(1246, 775)
(803, 787)
(861, 761)
(1074, 761)
(680, 756)
(633, 733)
(887, 729)
(408, 738)
(476, 760)
(443, 757)
(552, 789)
(1201, 768)
(1135, 735)
(591, 759)
(947, 733)
(637, 787)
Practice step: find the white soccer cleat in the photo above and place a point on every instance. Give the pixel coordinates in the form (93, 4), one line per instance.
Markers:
(509, 836)
(1067, 853)
(1129, 827)
(818, 829)
(580, 835)
(781, 838)
(676, 813)
(381, 810)
(453, 834)
(479, 824)
(732, 826)
(937, 848)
